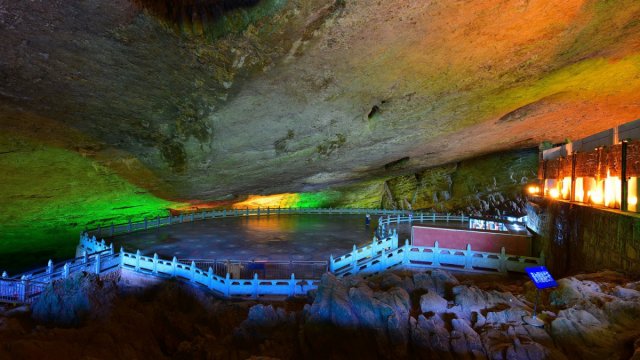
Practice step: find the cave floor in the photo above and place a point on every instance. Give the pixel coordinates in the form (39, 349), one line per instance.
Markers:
(274, 237)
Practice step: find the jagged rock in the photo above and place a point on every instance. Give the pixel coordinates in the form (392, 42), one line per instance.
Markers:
(390, 280)
(571, 291)
(433, 302)
(430, 338)
(435, 280)
(331, 304)
(465, 342)
(511, 315)
(470, 299)
(512, 344)
(626, 293)
(71, 301)
(578, 332)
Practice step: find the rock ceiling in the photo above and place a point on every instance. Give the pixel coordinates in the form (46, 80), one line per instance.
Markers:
(211, 99)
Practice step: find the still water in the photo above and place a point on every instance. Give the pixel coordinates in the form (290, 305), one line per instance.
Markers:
(273, 237)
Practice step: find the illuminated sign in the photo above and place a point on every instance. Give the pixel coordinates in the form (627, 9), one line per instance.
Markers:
(541, 277)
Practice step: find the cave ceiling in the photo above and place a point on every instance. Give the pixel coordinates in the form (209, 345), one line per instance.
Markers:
(213, 99)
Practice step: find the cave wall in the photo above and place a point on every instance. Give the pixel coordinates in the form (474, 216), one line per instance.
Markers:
(488, 185)
(577, 238)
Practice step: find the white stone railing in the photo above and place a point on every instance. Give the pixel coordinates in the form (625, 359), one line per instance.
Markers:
(436, 257)
(151, 223)
(358, 255)
(224, 286)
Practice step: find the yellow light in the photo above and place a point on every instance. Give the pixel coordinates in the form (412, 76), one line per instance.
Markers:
(596, 196)
(533, 190)
(554, 193)
(633, 200)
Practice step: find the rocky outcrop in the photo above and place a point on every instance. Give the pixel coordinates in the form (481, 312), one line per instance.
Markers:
(72, 301)
(588, 317)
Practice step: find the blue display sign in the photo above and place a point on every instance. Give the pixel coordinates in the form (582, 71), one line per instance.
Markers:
(541, 277)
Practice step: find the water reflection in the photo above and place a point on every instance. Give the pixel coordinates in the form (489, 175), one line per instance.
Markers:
(273, 237)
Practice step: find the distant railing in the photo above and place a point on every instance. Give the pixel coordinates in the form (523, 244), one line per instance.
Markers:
(151, 223)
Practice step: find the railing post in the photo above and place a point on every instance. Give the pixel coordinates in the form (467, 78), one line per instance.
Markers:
(254, 282)
(193, 270)
(436, 254)
(331, 266)
(111, 249)
(181, 218)
(155, 263)
(227, 285)
(145, 223)
(174, 264)
(65, 271)
(22, 289)
(292, 285)
(247, 211)
(85, 257)
(447, 217)
(502, 261)
(468, 258)
(224, 212)
(258, 210)
(210, 278)
(192, 217)
(5, 275)
(278, 209)
(354, 258)
(462, 218)
(111, 231)
(137, 260)
(433, 217)
(169, 219)
(129, 226)
(121, 256)
(98, 265)
(405, 253)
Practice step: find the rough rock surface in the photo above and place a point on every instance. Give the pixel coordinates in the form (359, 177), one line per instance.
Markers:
(310, 93)
(349, 317)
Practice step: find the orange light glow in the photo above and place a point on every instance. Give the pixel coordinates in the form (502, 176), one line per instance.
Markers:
(632, 196)
(554, 193)
(533, 190)
(579, 192)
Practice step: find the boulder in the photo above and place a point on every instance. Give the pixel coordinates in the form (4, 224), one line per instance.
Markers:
(433, 302)
(71, 301)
